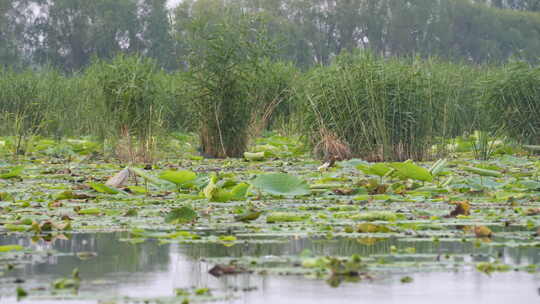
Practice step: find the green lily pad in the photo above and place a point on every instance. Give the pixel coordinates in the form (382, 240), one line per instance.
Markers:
(178, 177)
(181, 215)
(102, 188)
(483, 172)
(379, 169)
(284, 217)
(7, 248)
(90, 211)
(13, 173)
(281, 184)
(254, 156)
(409, 170)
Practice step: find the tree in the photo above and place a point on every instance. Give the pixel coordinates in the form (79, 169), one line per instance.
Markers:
(156, 35)
(13, 20)
(70, 32)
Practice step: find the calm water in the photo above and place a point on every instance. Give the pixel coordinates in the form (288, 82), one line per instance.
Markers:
(150, 270)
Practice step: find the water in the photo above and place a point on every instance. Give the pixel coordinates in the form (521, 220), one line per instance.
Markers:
(150, 270)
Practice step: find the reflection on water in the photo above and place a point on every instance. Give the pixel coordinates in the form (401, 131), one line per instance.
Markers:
(152, 270)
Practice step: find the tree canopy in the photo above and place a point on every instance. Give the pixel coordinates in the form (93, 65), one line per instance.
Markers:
(68, 33)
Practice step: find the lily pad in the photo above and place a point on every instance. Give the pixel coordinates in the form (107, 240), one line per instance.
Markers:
(178, 178)
(281, 184)
(13, 173)
(409, 170)
(7, 248)
(102, 188)
(181, 215)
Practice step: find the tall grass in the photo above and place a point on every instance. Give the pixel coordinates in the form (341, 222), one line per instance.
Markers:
(511, 100)
(130, 111)
(28, 104)
(225, 51)
(174, 95)
(271, 89)
(372, 107)
(384, 109)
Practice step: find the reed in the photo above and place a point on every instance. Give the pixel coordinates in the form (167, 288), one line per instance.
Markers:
(384, 109)
(510, 95)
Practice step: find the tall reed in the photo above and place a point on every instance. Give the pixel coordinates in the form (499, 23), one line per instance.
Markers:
(511, 99)
(129, 107)
(28, 104)
(384, 109)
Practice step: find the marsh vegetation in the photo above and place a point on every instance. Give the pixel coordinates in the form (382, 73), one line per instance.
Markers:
(317, 143)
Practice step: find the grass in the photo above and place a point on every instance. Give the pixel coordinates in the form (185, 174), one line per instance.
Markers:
(361, 105)
(27, 103)
(385, 109)
(510, 96)
(226, 59)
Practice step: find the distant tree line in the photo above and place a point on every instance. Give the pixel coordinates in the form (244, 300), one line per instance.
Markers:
(67, 34)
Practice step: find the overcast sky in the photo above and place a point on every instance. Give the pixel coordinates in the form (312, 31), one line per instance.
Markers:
(172, 3)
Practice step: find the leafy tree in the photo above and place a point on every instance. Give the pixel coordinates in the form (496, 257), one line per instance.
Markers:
(156, 36)
(72, 31)
(13, 15)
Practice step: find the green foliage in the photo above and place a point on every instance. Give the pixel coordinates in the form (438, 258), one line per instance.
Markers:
(483, 172)
(489, 268)
(225, 48)
(510, 96)
(281, 184)
(28, 99)
(129, 93)
(408, 170)
(225, 190)
(178, 178)
(286, 217)
(181, 215)
(272, 90)
(383, 108)
(8, 248)
(14, 172)
(101, 188)
(376, 216)
(238, 74)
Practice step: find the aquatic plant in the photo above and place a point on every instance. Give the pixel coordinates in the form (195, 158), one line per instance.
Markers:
(130, 109)
(226, 46)
(510, 99)
(383, 109)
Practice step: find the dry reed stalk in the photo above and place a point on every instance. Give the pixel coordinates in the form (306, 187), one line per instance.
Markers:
(128, 151)
(331, 148)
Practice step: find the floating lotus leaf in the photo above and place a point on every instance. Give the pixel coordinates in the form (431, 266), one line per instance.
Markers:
(178, 177)
(181, 215)
(281, 184)
(411, 171)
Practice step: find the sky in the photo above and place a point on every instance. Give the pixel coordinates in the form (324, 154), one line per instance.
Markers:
(172, 3)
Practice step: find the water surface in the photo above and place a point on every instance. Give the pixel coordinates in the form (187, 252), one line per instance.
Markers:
(150, 271)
